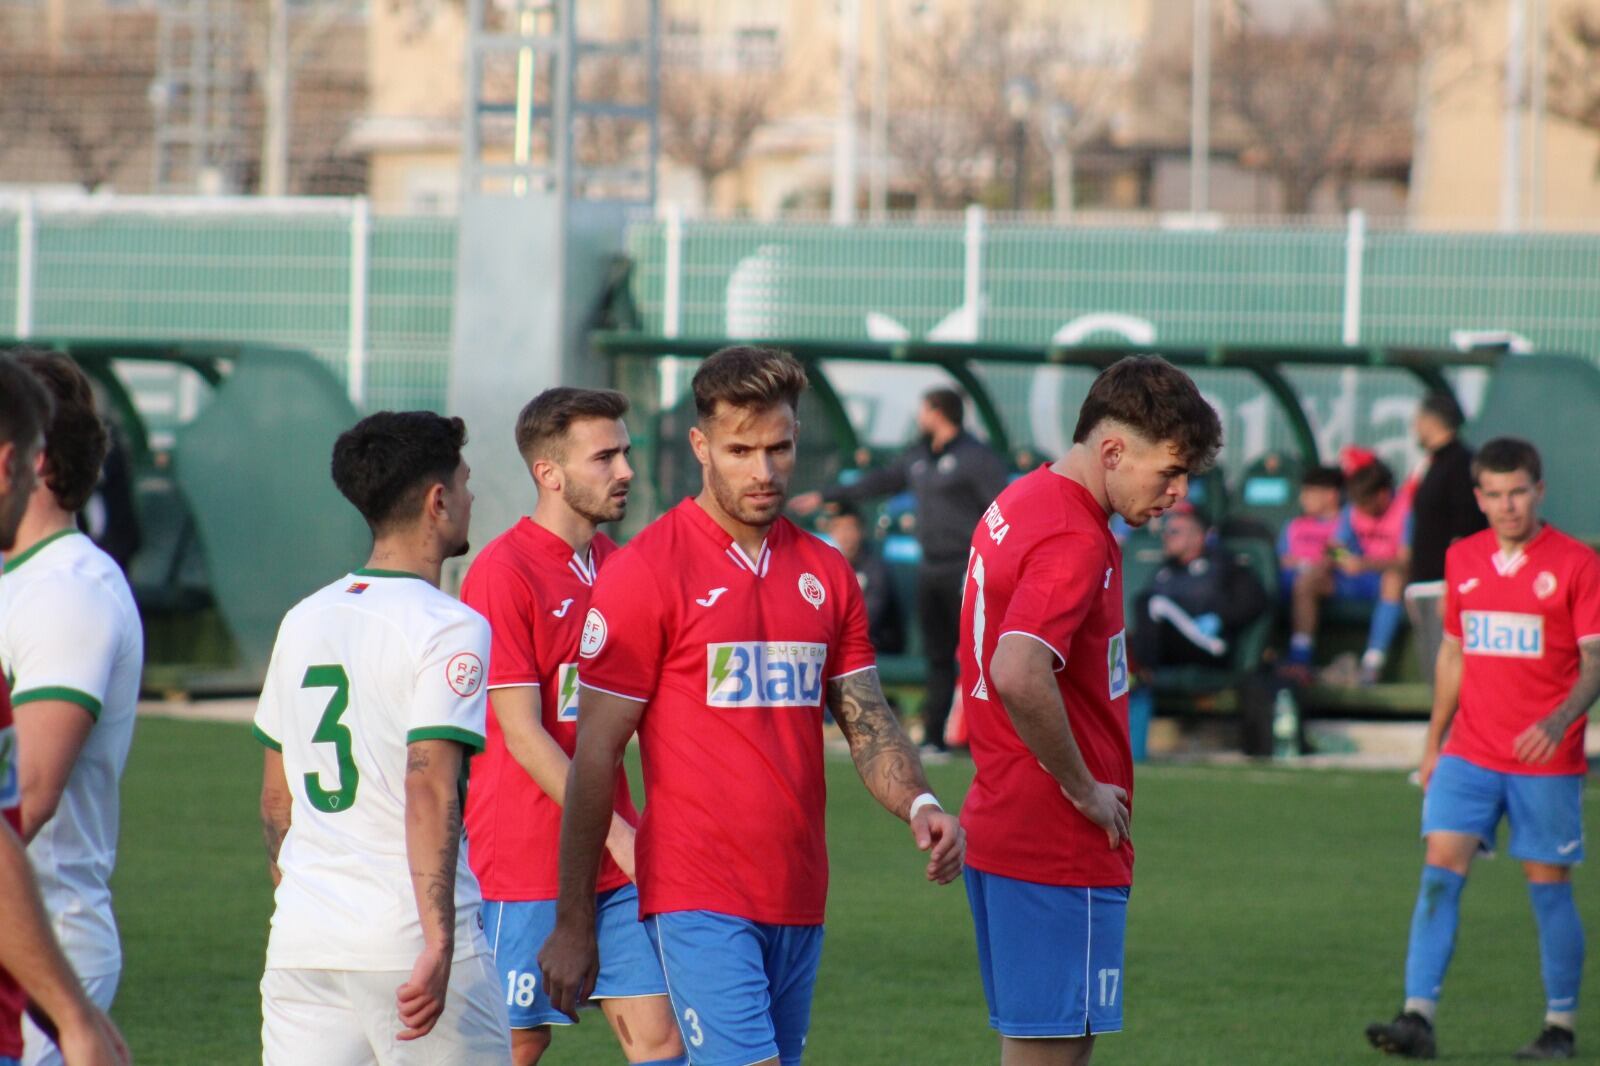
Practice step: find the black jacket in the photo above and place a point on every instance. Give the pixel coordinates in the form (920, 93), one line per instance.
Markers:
(953, 487)
(884, 626)
(1212, 584)
(1443, 511)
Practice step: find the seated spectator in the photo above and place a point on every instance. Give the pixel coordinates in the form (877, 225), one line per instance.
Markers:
(1196, 604)
(848, 533)
(1304, 541)
(1366, 561)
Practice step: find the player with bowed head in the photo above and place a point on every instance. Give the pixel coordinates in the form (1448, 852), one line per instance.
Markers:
(719, 633)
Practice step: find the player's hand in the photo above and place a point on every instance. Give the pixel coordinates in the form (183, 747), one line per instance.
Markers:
(619, 843)
(1430, 760)
(806, 503)
(93, 1041)
(1540, 741)
(940, 834)
(1107, 807)
(570, 962)
(1351, 564)
(421, 999)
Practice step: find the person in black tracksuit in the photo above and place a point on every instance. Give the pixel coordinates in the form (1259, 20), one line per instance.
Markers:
(954, 477)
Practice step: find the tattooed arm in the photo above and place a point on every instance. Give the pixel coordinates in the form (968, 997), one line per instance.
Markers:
(891, 770)
(275, 810)
(433, 841)
(1540, 741)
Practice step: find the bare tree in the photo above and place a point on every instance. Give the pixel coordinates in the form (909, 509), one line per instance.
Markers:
(1575, 69)
(1329, 92)
(710, 116)
(952, 129)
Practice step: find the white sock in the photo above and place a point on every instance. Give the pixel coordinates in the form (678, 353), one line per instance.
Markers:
(1563, 1018)
(1424, 1007)
(1373, 659)
(1301, 640)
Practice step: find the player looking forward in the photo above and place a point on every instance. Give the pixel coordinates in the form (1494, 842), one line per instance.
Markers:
(1517, 673)
(372, 702)
(533, 583)
(1044, 668)
(73, 649)
(719, 633)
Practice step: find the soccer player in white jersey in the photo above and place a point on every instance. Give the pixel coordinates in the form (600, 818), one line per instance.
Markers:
(32, 967)
(73, 646)
(373, 702)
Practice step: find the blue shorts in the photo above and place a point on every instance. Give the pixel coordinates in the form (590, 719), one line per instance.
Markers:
(1545, 810)
(1364, 587)
(517, 930)
(1050, 956)
(741, 990)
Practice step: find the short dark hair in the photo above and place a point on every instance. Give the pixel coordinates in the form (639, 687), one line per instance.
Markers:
(542, 425)
(1367, 481)
(25, 405)
(1323, 477)
(75, 441)
(948, 403)
(1159, 402)
(1443, 406)
(748, 376)
(843, 509)
(387, 462)
(1507, 455)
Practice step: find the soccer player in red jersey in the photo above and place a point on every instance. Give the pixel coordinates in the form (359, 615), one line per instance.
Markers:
(31, 963)
(719, 633)
(533, 584)
(1044, 673)
(1517, 672)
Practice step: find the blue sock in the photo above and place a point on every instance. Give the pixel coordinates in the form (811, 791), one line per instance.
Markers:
(1300, 647)
(681, 1060)
(1560, 943)
(1433, 932)
(1386, 619)
(1141, 705)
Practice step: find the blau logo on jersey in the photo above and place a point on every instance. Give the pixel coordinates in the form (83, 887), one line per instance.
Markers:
(1512, 636)
(1117, 663)
(10, 781)
(765, 674)
(567, 694)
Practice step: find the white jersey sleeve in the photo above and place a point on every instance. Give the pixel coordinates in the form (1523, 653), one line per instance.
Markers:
(449, 698)
(63, 642)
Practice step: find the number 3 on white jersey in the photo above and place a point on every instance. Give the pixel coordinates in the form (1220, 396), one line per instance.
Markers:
(980, 689)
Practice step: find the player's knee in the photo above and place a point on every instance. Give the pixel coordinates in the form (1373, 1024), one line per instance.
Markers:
(529, 1045)
(1544, 873)
(649, 1032)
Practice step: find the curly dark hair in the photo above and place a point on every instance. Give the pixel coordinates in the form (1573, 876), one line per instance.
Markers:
(1159, 402)
(749, 377)
(76, 440)
(386, 463)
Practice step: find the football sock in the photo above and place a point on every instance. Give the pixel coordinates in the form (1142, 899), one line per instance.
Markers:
(1433, 933)
(1300, 646)
(680, 1060)
(1560, 946)
(1386, 619)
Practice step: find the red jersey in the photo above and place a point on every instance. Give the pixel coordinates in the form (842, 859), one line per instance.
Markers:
(534, 590)
(12, 999)
(1519, 622)
(1044, 565)
(732, 657)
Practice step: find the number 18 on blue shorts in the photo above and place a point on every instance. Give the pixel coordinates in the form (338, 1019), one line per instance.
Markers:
(1050, 955)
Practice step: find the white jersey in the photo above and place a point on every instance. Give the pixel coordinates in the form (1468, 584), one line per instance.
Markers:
(372, 662)
(69, 631)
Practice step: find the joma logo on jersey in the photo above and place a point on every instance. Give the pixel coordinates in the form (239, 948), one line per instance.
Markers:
(762, 674)
(567, 695)
(1512, 636)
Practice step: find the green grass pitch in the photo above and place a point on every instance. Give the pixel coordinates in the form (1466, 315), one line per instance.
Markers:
(1267, 924)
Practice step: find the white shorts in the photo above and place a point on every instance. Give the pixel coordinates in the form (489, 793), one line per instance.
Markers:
(40, 1050)
(349, 1018)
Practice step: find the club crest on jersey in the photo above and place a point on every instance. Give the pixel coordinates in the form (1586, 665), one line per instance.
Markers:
(10, 780)
(765, 674)
(464, 672)
(594, 634)
(812, 590)
(567, 693)
(1503, 634)
(1117, 663)
(1544, 586)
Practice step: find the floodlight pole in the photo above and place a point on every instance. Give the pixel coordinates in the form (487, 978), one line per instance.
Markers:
(1200, 110)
